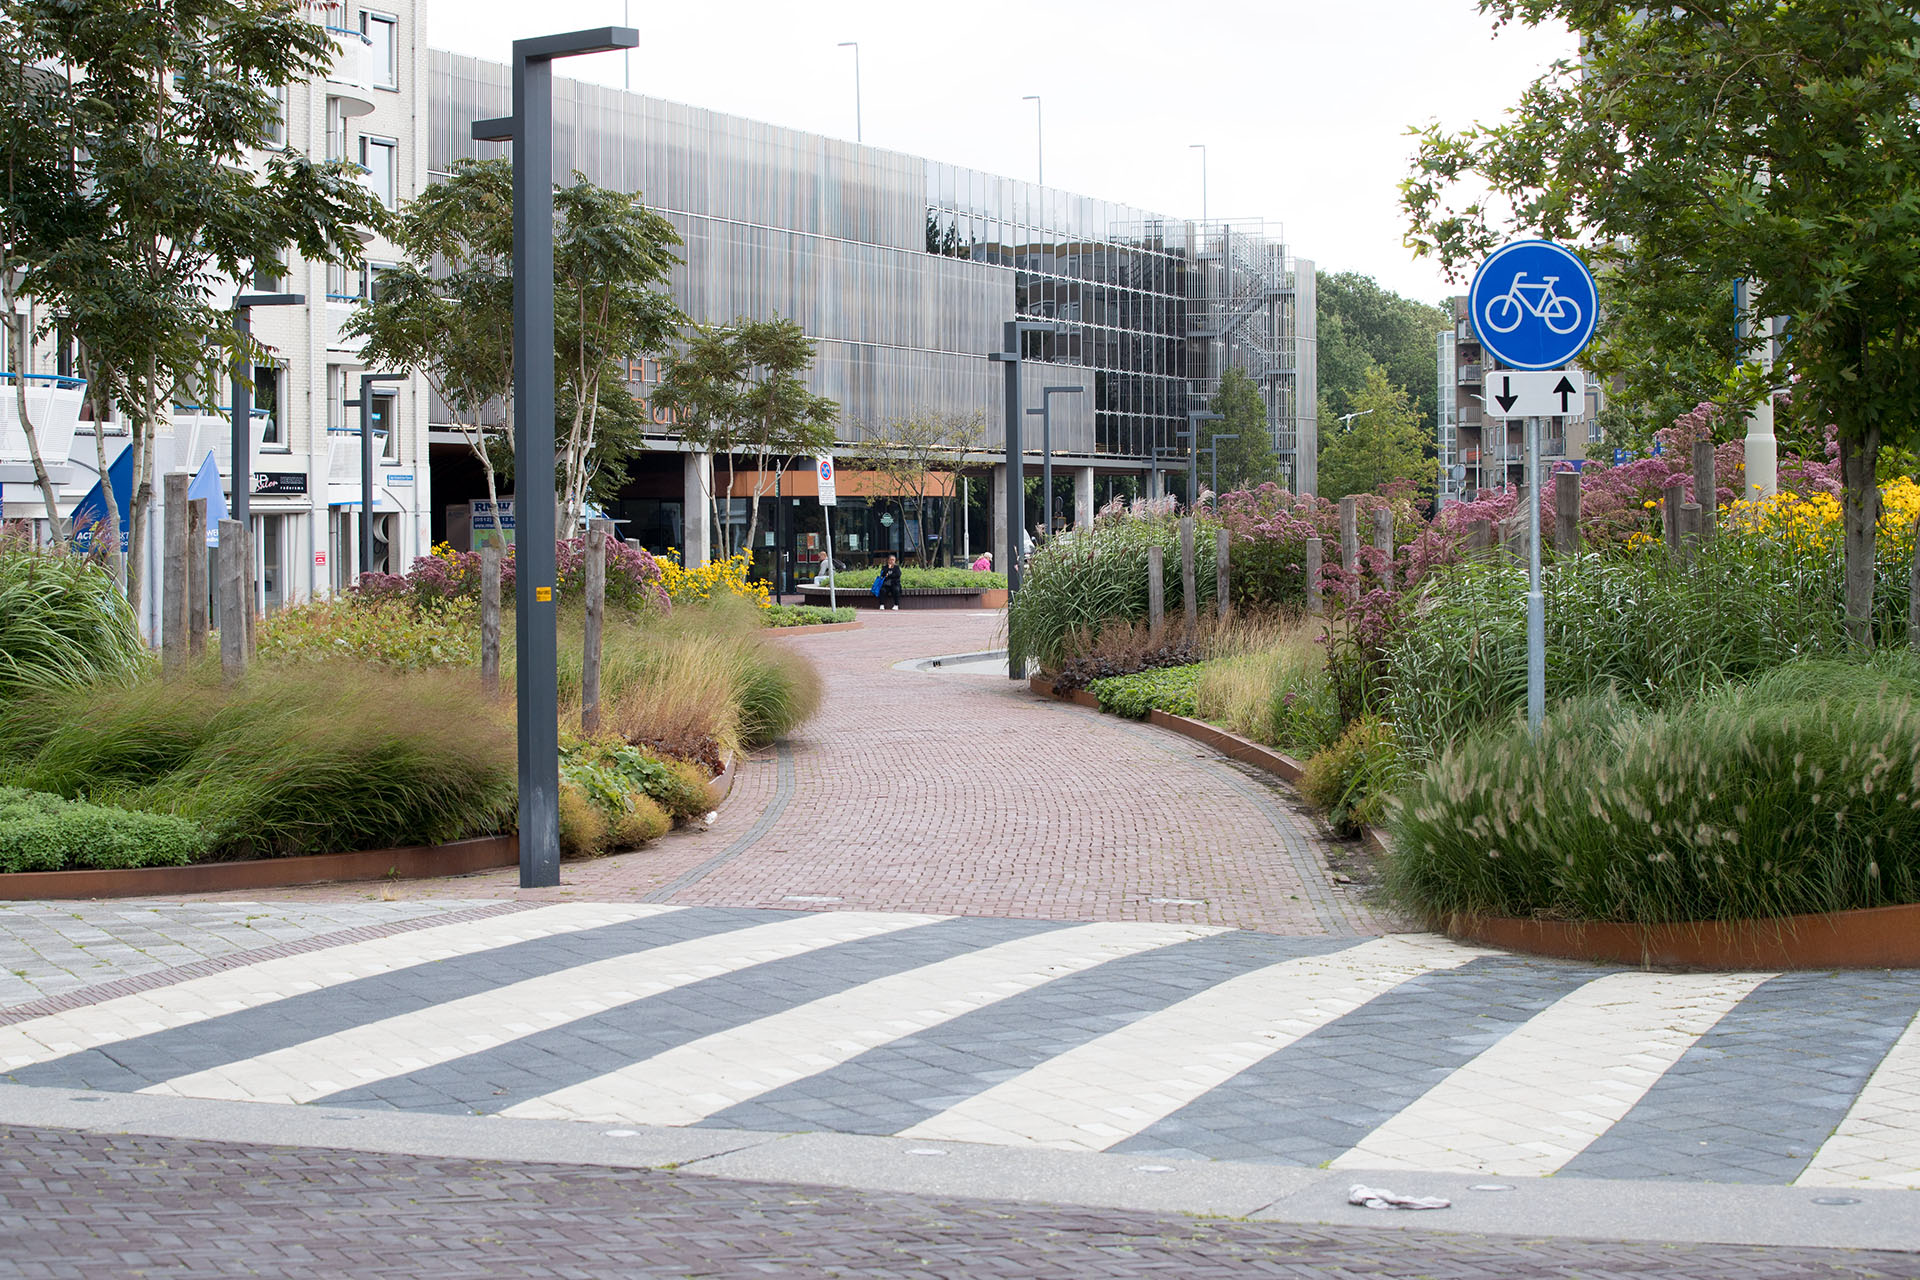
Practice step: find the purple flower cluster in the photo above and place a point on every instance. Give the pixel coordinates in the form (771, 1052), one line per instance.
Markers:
(633, 578)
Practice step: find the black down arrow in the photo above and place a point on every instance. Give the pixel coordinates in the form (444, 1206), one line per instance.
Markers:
(1506, 397)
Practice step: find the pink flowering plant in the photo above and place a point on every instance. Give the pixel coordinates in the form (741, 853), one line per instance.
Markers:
(446, 576)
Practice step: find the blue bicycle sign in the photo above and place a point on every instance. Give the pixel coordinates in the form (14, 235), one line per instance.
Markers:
(1533, 304)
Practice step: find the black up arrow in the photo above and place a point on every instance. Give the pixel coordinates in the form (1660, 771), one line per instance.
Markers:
(1506, 397)
(1564, 390)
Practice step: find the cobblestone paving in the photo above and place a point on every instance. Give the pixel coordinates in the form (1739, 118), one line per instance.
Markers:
(968, 795)
(1397, 1052)
(52, 948)
(85, 1205)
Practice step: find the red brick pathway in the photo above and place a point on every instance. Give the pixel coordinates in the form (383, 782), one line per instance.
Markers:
(969, 795)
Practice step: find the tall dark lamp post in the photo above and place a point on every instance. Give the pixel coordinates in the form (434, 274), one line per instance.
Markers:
(1016, 492)
(365, 405)
(1192, 436)
(1046, 447)
(536, 647)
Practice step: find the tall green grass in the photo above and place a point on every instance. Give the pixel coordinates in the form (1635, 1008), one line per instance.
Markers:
(1080, 585)
(1798, 793)
(315, 758)
(63, 622)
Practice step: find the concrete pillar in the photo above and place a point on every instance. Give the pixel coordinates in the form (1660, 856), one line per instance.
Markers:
(997, 499)
(696, 510)
(1083, 498)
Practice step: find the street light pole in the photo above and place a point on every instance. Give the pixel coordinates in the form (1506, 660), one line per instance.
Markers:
(365, 405)
(855, 46)
(1192, 436)
(1046, 447)
(1201, 147)
(1039, 140)
(1016, 490)
(536, 645)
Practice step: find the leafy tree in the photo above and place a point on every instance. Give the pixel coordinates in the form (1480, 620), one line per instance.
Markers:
(741, 389)
(1777, 142)
(1362, 324)
(447, 313)
(156, 104)
(1664, 345)
(910, 455)
(1384, 442)
(1249, 460)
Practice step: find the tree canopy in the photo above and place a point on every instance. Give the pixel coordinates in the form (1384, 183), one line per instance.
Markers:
(1360, 324)
(1383, 442)
(1249, 460)
(1771, 141)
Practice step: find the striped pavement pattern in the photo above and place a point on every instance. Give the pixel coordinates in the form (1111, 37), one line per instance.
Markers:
(1405, 1052)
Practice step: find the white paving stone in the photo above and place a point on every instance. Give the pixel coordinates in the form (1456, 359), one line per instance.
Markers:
(184, 1003)
(693, 1081)
(1559, 1075)
(1111, 1088)
(441, 1033)
(1878, 1143)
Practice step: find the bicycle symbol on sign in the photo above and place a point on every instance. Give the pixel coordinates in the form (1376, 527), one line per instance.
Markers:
(1504, 313)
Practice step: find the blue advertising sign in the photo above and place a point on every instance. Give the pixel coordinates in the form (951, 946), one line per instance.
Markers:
(1534, 304)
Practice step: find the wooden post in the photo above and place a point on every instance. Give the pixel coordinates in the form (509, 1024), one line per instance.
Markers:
(1220, 548)
(597, 531)
(1312, 570)
(1350, 533)
(1189, 580)
(1156, 589)
(1690, 521)
(1704, 491)
(490, 613)
(1672, 494)
(1383, 542)
(1913, 592)
(173, 573)
(1566, 513)
(233, 600)
(197, 589)
(1479, 536)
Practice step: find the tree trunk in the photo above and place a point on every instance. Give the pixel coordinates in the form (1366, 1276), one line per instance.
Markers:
(111, 504)
(1860, 518)
(19, 329)
(142, 488)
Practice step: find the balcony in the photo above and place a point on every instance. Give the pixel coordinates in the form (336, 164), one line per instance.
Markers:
(1468, 375)
(53, 406)
(350, 79)
(198, 431)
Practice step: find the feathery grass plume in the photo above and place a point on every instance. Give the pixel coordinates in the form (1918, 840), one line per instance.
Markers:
(63, 623)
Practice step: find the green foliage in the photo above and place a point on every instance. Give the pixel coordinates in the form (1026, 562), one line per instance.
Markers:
(804, 615)
(1079, 585)
(1248, 461)
(315, 758)
(1386, 443)
(1352, 779)
(1636, 623)
(1363, 325)
(1168, 689)
(907, 458)
(1798, 794)
(912, 578)
(1664, 345)
(387, 632)
(42, 832)
(63, 622)
(610, 770)
(1278, 694)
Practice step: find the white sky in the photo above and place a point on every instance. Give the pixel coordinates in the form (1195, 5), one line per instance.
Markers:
(1303, 104)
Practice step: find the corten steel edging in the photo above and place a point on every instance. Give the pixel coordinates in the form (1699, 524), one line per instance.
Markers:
(1231, 745)
(813, 628)
(416, 862)
(1872, 938)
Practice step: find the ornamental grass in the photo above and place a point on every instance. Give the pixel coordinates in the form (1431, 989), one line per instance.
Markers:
(63, 622)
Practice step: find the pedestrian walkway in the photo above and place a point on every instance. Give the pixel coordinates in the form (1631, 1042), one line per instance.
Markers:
(1152, 1039)
(970, 795)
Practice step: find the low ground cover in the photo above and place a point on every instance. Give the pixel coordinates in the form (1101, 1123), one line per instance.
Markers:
(44, 832)
(806, 615)
(912, 578)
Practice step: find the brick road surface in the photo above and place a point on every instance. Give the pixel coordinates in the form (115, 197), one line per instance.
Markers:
(87, 1205)
(968, 795)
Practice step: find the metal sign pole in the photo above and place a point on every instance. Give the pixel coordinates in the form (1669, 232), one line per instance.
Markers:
(1536, 603)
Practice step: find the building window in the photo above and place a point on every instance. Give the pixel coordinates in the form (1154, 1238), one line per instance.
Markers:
(336, 130)
(370, 280)
(384, 31)
(266, 402)
(386, 438)
(380, 158)
(337, 398)
(276, 133)
(343, 284)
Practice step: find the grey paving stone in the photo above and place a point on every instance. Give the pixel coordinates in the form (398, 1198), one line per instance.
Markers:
(1753, 1098)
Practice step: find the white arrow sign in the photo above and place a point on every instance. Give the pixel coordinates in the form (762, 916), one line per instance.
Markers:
(1547, 393)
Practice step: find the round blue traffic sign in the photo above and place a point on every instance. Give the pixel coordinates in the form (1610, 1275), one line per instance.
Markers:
(1534, 304)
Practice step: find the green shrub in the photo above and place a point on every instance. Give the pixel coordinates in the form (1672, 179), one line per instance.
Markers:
(912, 579)
(1080, 585)
(1797, 794)
(311, 758)
(385, 630)
(641, 822)
(1278, 693)
(42, 832)
(1351, 781)
(63, 623)
(804, 615)
(1168, 689)
(584, 828)
(609, 771)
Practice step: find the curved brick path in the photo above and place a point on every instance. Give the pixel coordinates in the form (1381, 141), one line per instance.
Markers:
(968, 795)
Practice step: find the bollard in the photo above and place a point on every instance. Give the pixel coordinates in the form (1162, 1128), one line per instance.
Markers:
(1156, 589)
(490, 614)
(597, 531)
(1566, 514)
(173, 576)
(1672, 495)
(1220, 541)
(1189, 581)
(197, 589)
(1350, 533)
(1383, 543)
(233, 600)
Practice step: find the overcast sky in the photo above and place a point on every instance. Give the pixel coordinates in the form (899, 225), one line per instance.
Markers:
(1303, 104)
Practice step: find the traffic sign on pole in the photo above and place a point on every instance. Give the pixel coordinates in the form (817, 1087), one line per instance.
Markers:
(824, 467)
(1534, 304)
(1549, 393)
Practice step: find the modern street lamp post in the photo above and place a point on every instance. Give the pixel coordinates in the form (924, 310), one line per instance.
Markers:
(365, 405)
(530, 130)
(1015, 495)
(855, 46)
(1046, 447)
(1192, 436)
(242, 444)
(1213, 462)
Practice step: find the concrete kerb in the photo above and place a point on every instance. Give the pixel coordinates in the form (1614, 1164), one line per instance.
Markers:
(1691, 1213)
